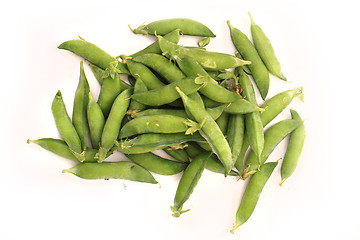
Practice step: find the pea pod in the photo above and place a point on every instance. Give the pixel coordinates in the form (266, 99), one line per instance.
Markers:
(157, 164)
(110, 89)
(59, 147)
(265, 50)
(272, 107)
(294, 148)
(254, 128)
(252, 194)
(96, 122)
(208, 60)
(188, 182)
(140, 71)
(154, 124)
(235, 133)
(161, 65)
(149, 142)
(65, 127)
(272, 138)
(166, 94)
(112, 170)
(113, 122)
(79, 116)
(248, 52)
(178, 154)
(92, 53)
(186, 26)
(210, 131)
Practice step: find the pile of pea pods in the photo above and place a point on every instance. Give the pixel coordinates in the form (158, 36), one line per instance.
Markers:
(198, 106)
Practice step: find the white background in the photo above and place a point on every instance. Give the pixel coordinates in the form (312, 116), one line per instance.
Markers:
(317, 44)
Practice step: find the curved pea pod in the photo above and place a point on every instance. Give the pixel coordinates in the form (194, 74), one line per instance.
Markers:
(81, 99)
(65, 127)
(167, 93)
(209, 130)
(92, 53)
(273, 136)
(265, 50)
(248, 52)
(161, 65)
(96, 122)
(188, 182)
(112, 170)
(252, 193)
(208, 60)
(178, 154)
(149, 142)
(140, 71)
(272, 107)
(153, 124)
(157, 164)
(173, 36)
(254, 127)
(186, 26)
(59, 147)
(294, 148)
(113, 123)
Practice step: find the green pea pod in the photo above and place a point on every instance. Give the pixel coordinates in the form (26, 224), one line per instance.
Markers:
(272, 107)
(65, 127)
(79, 116)
(265, 50)
(92, 53)
(135, 106)
(272, 138)
(294, 148)
(252, 194)
(186, 26)
(241, 106)
(173, 36)
(154, 141)
(178, 154)
(222, 122)
(166, 94)
(248, 52)
(214, 112)
(158, 111)
(153, 124)
(235, 133)
(161, 65)
(208, 60)
(110, 89)
(254, 128)
(211, 88)
(209, 130)
(112, 170)
(59, 147)
(157, 164)
(188, 182)
(113, 123)
(96, 122)
(140, 71)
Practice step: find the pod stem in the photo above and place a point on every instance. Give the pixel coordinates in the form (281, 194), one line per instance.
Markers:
(177, 211)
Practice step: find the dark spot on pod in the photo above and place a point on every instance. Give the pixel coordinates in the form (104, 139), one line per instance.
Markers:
(106, 179)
